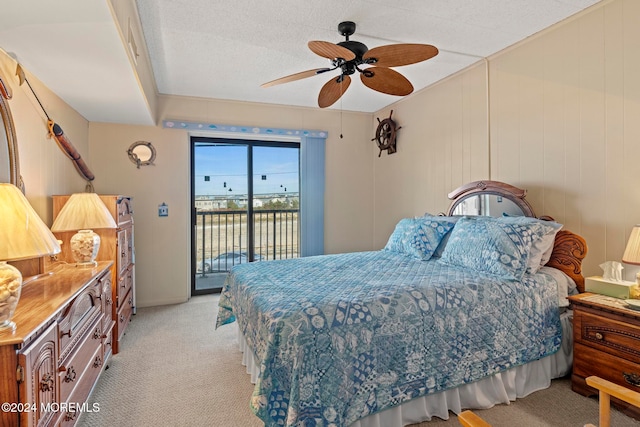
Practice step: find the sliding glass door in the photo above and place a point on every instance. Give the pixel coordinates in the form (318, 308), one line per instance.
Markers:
(245, 200)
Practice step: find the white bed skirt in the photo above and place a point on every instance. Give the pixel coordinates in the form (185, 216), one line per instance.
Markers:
(503, 387)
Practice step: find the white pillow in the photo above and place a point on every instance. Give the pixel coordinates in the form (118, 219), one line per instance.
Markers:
(542, 247)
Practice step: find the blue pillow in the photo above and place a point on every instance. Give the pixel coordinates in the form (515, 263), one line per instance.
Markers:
(450, 220)
(492, 246)
(417, 237)
(541, 248)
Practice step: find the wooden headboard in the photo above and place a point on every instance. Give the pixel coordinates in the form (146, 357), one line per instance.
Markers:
(569, 250)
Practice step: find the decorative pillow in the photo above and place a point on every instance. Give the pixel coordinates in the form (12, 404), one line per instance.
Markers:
(445, 220)
(492, 246)
(417, 237)
(542, 247)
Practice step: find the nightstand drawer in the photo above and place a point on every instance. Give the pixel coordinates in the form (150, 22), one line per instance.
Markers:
(588, 361)
(609, 335)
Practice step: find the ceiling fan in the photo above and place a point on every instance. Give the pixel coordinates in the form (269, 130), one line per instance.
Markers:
(350, 56)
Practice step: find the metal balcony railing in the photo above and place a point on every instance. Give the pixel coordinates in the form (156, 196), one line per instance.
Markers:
(222, 237)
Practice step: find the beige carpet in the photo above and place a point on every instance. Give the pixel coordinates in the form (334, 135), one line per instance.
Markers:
(174, 369)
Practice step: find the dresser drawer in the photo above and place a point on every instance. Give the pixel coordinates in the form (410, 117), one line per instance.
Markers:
(71, 372)
(123, 255)
(79, 317)
(107, 345)
(608, 334)
(78, 398)
(588, 361)
(124, 314)
(125, 283)
(125, 211)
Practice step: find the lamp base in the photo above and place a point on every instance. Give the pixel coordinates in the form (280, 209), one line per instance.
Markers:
(84, 247)
(8, 325)
(10, 288)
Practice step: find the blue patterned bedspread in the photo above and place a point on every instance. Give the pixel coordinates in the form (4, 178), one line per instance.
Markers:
(344, 336)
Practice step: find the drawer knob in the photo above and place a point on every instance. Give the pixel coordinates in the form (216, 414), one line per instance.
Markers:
(62, 334)
(70, 416)
(631, 378)
(97, 334)
(70, 376)
(47, 383)
(599, 336)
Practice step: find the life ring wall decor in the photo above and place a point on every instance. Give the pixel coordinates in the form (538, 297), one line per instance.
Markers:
(142, 153)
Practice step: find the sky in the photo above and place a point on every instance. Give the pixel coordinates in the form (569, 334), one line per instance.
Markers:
(226, 168)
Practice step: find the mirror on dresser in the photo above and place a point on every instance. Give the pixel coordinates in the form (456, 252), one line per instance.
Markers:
(9, 168)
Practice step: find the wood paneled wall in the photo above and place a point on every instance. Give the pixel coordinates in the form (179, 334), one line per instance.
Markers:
(563, 122)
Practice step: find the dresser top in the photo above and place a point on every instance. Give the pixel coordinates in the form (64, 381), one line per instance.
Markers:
(42, 298)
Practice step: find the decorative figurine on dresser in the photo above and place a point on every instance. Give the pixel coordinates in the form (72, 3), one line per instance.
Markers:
(116, 244)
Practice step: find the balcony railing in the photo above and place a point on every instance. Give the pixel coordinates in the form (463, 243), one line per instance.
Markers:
(222, 237)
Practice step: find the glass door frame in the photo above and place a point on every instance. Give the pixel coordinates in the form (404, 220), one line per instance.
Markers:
(250, 144)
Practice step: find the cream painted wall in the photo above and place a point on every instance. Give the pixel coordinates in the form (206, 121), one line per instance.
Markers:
(163, 244)
(442, 144)
(564, 108)
(44, 168)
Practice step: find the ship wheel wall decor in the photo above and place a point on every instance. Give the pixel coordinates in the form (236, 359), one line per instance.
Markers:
(386, 135)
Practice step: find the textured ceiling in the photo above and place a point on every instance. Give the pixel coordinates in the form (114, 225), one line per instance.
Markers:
(226, 49)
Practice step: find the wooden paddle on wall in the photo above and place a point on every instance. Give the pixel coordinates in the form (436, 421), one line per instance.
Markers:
(57, 133)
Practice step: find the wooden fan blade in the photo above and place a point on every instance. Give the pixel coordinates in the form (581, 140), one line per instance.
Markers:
(331, 50)
(396, 55)
(386, 80)
(333, 90)
(296, 76)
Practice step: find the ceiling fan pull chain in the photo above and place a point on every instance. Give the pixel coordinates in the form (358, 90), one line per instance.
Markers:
(341, 108)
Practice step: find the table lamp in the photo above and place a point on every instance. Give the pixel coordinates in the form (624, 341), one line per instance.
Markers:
(632, 252)
(84, 212)
(23, 235)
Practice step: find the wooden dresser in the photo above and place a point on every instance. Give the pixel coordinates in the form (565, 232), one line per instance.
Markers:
(116, 245)
(62, 341)
(606, 343)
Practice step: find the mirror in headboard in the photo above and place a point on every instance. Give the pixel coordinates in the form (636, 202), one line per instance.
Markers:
(495, 198)
(9, 169)
(489, 198)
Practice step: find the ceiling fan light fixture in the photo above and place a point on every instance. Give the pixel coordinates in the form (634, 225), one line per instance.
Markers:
(348, 55)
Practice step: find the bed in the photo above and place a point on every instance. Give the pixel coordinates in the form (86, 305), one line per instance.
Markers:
(417, 329)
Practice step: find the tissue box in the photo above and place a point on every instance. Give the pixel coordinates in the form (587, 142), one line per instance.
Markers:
(622, 289)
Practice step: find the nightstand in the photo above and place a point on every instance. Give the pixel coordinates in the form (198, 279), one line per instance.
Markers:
(606, 343)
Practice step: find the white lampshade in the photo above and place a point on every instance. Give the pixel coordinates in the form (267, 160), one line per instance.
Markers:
(23, 235)
(84, 212)
(632, 252)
